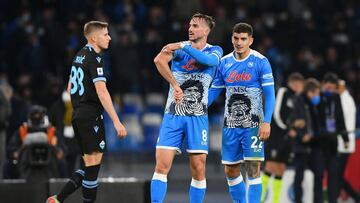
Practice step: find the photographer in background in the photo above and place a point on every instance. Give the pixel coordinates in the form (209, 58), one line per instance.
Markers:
(37, 130)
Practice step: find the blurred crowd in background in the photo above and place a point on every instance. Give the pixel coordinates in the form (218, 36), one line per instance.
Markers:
(38, 40)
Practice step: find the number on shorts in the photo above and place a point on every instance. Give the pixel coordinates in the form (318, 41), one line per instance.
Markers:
(204, 135)
(76, 80)
(255, 140)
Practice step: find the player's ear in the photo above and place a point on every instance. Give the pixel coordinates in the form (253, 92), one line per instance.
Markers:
(207, 31)
(251, 40)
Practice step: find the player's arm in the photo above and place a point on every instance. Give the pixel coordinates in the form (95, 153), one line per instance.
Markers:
(106, 102)
(211, 59)
(162, 64)
(208, 59)
(214, 92)
(269, 94)
(217, 85)
(68, 87)
(267, 83)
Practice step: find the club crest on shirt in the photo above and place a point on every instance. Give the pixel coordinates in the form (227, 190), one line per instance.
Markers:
(250, 64)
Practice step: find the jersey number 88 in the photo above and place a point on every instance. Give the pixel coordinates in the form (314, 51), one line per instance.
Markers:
(76, 80)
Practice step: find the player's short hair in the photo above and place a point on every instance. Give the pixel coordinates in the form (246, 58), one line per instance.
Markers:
(243, 28)
(210, 21)
(311, 84)
(296, 76)
(92, 26)
(330, 78)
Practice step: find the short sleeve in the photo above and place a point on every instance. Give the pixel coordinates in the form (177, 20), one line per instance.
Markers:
(96, 68)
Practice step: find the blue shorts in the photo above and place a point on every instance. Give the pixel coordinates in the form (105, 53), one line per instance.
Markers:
(192, 130)
(239, 144)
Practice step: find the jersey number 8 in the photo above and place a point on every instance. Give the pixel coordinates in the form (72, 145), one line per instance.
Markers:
(76, 80)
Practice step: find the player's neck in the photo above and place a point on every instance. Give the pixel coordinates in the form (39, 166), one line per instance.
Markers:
(243, 55)
(200, 44)
(95, 47)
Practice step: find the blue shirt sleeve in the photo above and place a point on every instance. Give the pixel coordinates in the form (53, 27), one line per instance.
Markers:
(210, 59)
(217, 86)
(178, 55)
(267, 83)
(269, 93)
(266, 76)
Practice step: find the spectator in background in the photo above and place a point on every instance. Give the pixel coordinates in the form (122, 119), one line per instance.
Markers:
(60, 115)
(304, 129)
(126, 64)
(332, 123)
(349, 109)
(6, 93)
(278, 146)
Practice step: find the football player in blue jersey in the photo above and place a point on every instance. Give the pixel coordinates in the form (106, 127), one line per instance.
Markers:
(193, 67)
(247, 77)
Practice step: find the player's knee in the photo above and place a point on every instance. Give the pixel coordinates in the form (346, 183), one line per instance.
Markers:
(162, 167)
(252, 169)
(198, 167)
(232, 171)
(92, 159)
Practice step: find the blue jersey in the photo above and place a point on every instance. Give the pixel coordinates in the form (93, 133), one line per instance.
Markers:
(244, 81)
(194, 79)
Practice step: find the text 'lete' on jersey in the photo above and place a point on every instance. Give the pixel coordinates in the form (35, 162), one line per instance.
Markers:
(244, 80)
(87, 69)
(194, 79)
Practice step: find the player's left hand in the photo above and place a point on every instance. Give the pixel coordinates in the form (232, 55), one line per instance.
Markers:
(120, 129)
(264, 131)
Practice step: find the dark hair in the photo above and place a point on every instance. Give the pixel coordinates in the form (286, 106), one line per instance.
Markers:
(311, 84)
(91, 26)
(296, 76)
(208, 19)
(330, 78)
(239, 98)
(243, 28)
(193, 83)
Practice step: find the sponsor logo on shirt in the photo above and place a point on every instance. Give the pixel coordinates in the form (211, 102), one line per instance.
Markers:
(234, 76)
(98, 59)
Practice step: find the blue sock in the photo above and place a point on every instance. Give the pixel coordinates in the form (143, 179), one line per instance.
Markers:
(255, 189)
(237, 189)
(158, 187)
(197, 190)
